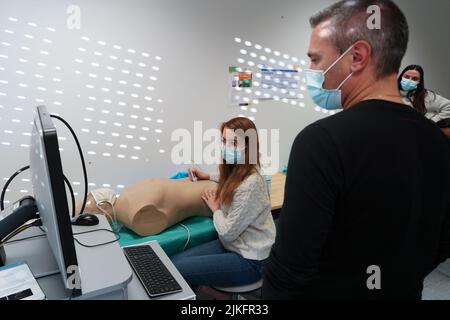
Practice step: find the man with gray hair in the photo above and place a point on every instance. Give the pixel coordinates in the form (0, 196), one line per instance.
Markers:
(367, 207)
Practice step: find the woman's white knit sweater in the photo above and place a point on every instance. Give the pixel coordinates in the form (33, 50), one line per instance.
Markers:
(246, 226)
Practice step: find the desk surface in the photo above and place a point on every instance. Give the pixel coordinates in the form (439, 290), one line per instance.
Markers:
(277, 195)
(105, 272)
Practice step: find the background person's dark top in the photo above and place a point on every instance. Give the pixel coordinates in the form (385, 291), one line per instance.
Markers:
(368, 186)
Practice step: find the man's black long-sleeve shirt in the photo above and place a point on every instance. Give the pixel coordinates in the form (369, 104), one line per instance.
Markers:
(369, 186)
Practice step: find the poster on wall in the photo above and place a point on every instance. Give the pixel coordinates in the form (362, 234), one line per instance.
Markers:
(241, 78)
(283, 83)
(240, 84)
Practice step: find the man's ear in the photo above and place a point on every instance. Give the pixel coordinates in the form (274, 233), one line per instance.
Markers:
(362, 56)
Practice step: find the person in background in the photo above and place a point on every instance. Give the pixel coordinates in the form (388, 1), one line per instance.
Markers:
(241, 214)
(445, 126)
(366, 213)
(412, 87)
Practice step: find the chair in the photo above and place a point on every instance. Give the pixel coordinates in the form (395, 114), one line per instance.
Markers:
(237, 292)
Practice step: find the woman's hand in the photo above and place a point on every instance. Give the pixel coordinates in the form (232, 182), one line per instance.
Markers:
(195, 172)
(210, 199)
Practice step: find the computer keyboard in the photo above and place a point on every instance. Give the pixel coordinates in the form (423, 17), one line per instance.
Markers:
(153, 274)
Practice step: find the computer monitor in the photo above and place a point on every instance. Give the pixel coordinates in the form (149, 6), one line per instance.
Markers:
(50, 194)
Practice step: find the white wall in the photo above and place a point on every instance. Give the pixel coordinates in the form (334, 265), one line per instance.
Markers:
(195, 39)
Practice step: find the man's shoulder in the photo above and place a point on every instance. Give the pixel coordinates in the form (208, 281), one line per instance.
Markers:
(352, 121)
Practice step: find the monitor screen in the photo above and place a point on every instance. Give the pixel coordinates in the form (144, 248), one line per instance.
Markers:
(50, 194)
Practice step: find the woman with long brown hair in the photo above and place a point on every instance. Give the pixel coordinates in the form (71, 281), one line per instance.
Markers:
(411, 83)
(241, 213)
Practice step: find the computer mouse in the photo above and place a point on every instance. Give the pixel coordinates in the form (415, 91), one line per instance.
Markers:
(85, 220)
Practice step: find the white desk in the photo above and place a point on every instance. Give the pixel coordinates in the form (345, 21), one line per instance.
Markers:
(104, 271)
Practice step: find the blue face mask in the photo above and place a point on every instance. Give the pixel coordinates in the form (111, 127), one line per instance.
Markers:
(326, 99)
(232, 155)
(408, 85)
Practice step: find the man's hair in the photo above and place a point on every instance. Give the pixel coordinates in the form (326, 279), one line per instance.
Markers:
(349, 23)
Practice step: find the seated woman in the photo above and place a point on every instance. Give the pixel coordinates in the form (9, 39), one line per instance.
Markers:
(242, 217)
(412, 87)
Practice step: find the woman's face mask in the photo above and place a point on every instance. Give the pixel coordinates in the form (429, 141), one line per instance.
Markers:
(409, 85)
(232, 155)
